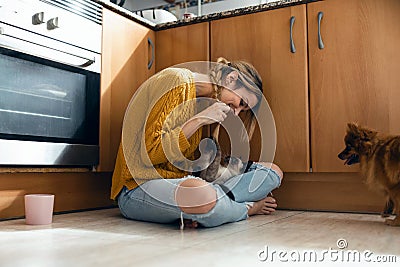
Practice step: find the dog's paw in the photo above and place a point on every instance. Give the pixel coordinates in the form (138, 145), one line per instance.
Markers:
(392, 222)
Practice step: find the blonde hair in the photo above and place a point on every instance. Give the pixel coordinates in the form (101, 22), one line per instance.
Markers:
(248, 78)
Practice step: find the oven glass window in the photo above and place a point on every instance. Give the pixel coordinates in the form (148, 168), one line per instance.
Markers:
(40, 101)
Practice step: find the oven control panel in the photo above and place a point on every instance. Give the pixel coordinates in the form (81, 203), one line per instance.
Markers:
(62, 23)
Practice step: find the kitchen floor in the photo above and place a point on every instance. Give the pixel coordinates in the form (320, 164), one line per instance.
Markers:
(105, 238)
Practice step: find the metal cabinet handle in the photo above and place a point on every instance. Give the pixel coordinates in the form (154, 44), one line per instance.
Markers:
(87, 62)
(320, 43)
(292, 47)
(152, 53)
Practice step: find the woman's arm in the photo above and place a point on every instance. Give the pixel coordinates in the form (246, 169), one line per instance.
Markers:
(214, 113)
(166, 136)
(191, 126)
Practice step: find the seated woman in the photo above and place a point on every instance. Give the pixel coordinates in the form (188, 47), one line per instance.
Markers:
(162, 130)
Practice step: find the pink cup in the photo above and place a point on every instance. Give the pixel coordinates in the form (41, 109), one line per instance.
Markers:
(39, 209)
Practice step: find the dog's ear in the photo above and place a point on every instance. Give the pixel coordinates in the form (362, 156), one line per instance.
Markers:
(366, 134)
(353, 127)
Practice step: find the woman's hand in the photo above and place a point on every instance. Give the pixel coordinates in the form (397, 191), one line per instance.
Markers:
(217, 112)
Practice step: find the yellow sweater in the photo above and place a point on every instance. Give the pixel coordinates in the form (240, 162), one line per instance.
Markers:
(152, 137)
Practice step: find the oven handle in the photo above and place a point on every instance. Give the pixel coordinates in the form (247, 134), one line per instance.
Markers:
(84, 65)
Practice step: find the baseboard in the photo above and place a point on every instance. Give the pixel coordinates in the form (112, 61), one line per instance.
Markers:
(342, 192)
(73, 191)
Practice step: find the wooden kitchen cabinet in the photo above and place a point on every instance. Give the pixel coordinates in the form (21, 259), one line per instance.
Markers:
(263, 39)
(355, 77)
(312, 92)
(126, 54)
(182, 44)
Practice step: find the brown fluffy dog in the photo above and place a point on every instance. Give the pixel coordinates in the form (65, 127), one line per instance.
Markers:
(379, 158)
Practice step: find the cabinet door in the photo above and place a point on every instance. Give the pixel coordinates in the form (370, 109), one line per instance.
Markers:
(183, 44)
(355, 77)
(126, 54)
(263, 39)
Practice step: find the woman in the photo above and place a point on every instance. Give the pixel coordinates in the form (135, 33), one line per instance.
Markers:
(162, 133)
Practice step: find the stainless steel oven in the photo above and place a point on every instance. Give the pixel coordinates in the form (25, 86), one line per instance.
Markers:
(50, 60)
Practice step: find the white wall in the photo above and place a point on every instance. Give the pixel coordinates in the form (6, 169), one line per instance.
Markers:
(205, 8)
(225, 5)
(143, 4)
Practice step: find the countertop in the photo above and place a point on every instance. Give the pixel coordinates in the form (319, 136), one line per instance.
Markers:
(209, 17)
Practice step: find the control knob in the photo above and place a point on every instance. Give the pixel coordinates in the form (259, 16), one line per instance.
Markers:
(52, 23)
(38, 18)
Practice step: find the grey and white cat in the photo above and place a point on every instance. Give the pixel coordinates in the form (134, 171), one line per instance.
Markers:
(220, 169)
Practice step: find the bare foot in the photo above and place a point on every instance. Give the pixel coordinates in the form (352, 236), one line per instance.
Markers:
(264, 206)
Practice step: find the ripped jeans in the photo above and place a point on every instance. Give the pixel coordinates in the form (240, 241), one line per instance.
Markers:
(154, 201)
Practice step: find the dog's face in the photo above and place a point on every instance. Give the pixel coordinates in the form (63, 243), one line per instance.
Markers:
(358, 141)
(350, 155)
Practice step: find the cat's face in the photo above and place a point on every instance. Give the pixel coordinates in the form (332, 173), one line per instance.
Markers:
(234, 164)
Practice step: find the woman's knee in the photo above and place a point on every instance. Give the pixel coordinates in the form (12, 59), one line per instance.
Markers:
(195, 196)
(274, 167)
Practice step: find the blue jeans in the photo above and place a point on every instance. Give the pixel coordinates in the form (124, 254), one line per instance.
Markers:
(154, 201)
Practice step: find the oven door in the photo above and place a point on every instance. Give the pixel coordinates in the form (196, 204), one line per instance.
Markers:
(49, 101)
